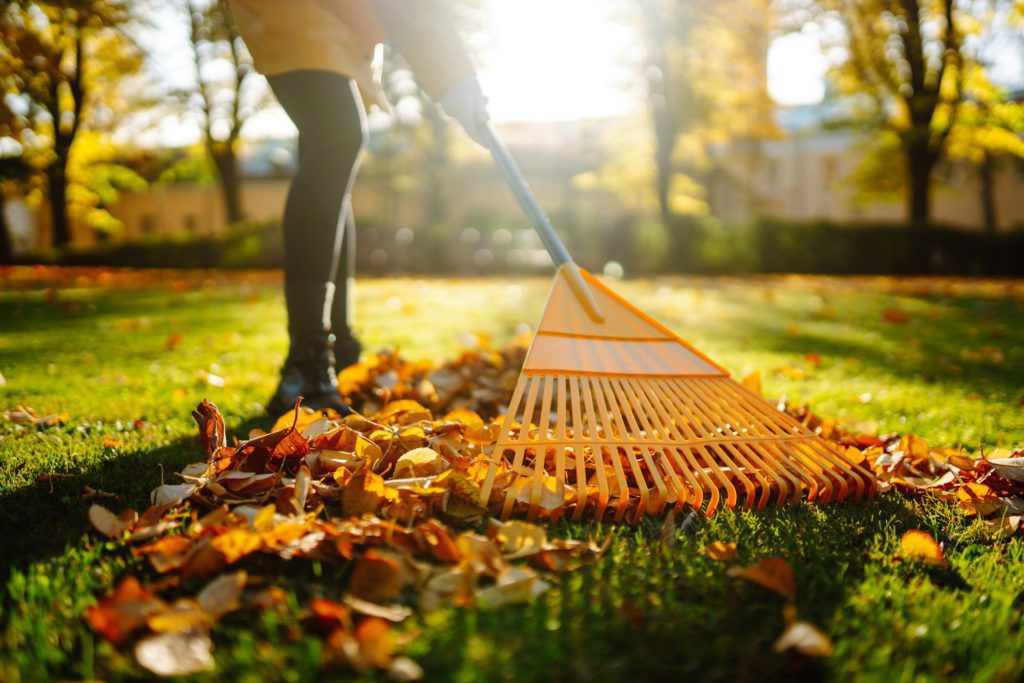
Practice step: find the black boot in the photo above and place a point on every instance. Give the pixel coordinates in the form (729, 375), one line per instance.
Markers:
(346, 350)
(346, 347)
(309, 369)
(308, 372)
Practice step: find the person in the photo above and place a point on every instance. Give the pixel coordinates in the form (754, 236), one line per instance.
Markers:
(318, 57)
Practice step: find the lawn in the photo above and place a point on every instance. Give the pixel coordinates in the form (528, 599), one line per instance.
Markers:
(129, 359)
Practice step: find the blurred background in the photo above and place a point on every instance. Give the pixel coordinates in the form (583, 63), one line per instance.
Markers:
(700, 136)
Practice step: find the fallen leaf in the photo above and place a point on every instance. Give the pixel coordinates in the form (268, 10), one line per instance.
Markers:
(921, 546)
(109, 524)
(773, 573)
(419, 462)
(175, 654)
(720, 551)
(123, 611)
(518, 539)
(392, 612)
(516, 585)
(804, 638)
(376, 577)
(375, 642)
(223, 594)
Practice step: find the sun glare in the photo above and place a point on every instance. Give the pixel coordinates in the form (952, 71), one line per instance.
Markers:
(561, 60)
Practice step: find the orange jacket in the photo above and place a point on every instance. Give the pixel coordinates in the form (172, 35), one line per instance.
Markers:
(342, 35)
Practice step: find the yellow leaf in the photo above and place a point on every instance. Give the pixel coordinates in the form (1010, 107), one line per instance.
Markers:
(720, 551)
(419, 462)
(518, 539)
(921, 546)
(236, 544)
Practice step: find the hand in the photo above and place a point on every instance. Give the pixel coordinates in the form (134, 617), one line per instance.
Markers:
(466, 103)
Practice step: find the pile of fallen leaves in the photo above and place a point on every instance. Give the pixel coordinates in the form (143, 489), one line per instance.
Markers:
(315, 487)
(989, 486)
(392, 494)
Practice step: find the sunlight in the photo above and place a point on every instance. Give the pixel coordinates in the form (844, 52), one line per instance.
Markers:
(562, 60)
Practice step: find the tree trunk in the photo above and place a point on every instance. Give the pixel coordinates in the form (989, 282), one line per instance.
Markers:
(919, 174)
(56, 178)
(986, 173)
(6, 248)
(664, 142)
(230, 183)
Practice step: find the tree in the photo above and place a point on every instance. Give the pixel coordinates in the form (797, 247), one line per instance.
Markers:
(62, 59)
(990, 127)
(904, 70)
(704, 74)
(225, 98)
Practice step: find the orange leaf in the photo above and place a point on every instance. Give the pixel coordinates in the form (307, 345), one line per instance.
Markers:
(773, 573)
(720, 551)
(123, 611)
(921, 546)
(375, 645)
(236, 544)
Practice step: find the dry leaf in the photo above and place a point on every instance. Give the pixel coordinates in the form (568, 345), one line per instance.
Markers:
(175, 654)
(419, 462)
(123, 611)
(223, 594)
(376, 577)
(921, 546)
(806, 639)
(518, 539)
(773, 573)
(375, 642)
(720, 551)
(111, 525)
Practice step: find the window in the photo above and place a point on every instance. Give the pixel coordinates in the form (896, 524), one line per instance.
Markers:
(147, 225)
(191, 223)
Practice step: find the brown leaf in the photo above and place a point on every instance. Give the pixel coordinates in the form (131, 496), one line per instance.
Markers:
(376, 577)
(773, 573)
(110, 525)
(211, 427)
(223, 594)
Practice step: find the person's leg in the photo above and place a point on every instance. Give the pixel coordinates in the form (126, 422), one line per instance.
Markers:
(346, 347)
(328, 113)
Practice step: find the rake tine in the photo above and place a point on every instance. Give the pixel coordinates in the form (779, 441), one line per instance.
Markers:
(657, 420)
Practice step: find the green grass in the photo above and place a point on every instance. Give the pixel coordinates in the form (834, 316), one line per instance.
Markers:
(103, 357)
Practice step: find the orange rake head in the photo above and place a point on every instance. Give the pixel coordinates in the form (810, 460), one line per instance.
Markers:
(622, 418)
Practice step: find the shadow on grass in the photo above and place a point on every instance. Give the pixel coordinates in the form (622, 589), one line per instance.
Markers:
(43, 518)
(641, 614)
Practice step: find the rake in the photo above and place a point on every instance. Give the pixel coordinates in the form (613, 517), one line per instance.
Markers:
(618, 416)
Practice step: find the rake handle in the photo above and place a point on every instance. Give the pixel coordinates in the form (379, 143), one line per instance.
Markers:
(559, 254)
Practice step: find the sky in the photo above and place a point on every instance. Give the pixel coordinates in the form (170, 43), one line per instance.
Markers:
(543, 60)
